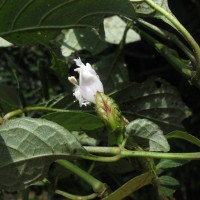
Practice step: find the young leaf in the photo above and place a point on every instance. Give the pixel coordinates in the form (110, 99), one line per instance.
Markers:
(145, 129)
(184, 136)
(23, 25)
(156, 100)
(166, 164)
(167, 186)
(28, 147)
(75, 121)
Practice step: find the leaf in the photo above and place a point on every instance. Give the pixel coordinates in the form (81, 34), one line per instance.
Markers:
(81, 39)
(28, 147)
(131, 186)
(112, 72)
(4, 43)
(39, 21)
(167, 186)
(144, 9)
(156, 100)
(75, 121)
(9, 98)
(85, 139)
(184, 136)
(166, 164)
(168, 181)
(145, 129)
(114, 30)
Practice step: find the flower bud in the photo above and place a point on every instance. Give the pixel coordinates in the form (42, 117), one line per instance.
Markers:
(109, 112)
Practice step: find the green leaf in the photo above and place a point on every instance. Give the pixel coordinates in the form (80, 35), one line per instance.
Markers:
(184, 136)
(166, 164)
(131, 186)
(168, 181)
(39, 21)
(145, 129)
(28, 147)
(85, 139)
(81, 39)
(167, 186)
(112, 71)
(75, 121)
(156, 100)
(144, 9)
(9, 98)
(4, 43)
(114, 30)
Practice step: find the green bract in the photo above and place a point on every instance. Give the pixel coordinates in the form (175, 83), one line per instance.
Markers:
(109, 112)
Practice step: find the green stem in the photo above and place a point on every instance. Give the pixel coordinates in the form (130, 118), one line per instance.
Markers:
(124, 153)
(34, 108)
(181, 29)
(101, 159)
(75, 197)
(97, 186)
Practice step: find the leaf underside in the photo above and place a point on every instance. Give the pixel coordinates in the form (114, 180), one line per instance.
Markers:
(28, 146)
(146, 130)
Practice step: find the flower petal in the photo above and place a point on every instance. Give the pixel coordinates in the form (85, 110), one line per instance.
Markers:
(89, 83)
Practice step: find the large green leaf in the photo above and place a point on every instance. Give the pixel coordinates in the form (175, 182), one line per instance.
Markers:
(28, 146)
(75, 121)
(145, 129)
(39, 21)
(156, 100)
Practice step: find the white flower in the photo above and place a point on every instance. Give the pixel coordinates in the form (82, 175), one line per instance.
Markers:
(89, 83)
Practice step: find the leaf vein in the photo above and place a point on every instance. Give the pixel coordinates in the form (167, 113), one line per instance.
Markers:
(52, 10)
(2, 4)
(19, 13)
